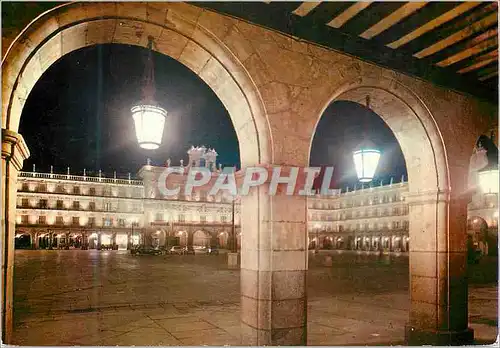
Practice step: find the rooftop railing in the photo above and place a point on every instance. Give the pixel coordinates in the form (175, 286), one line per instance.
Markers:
(85, 178)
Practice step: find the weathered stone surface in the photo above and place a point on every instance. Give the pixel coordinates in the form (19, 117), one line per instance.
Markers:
(194, 57)
(171, 43)
(73, 38)
(213, 23)
(102, 31)
(128, 31)
(50, 52)
(238, 44)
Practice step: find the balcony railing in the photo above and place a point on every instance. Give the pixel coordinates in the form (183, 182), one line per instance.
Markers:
(80, 178)
(21, 206)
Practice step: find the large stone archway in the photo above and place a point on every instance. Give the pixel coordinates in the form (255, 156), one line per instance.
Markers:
(178, 31)
(438, 285)
(275, 88)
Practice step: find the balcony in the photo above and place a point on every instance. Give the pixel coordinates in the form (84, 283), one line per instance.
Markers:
(80, 178)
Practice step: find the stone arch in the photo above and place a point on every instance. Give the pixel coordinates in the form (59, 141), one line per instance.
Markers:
(183, 237)
(409, 119)
(21, 242)
(437, 213)
(222, 239)
(201, 238)
(178, 33)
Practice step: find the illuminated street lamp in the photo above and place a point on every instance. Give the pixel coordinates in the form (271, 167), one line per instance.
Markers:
(149, 117)
(488, 180)
(366, 156)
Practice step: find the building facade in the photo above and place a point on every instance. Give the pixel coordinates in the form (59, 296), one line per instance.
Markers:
(68, 211)
(56, 210)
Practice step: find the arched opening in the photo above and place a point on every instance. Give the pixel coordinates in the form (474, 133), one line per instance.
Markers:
(375, 221)
(180, 37)
(183, 238)
(201, 239)
(23, 240)
(222, 239)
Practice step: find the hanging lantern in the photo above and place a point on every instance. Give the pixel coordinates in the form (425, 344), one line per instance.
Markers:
(149, 121)
(366, 159)
(149, 118)
(366, 155)
(488, 180)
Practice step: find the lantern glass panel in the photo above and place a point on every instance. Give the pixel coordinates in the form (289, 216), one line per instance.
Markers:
(149, 122)
(366, 162)
(488, 180)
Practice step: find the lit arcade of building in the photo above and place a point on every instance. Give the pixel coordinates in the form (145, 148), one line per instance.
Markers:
(64, 210)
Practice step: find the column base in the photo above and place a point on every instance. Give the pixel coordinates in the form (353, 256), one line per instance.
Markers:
(418, 337)
(233, 260)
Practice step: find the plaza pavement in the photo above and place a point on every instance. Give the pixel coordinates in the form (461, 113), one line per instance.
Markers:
(74, 297)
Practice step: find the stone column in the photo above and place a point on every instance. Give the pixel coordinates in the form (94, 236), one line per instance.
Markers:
(438, 262)
(36, 240)
(14, 152)
(273, 267)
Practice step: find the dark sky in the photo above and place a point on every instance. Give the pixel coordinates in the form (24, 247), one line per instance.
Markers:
(340, 131)
(78, 115)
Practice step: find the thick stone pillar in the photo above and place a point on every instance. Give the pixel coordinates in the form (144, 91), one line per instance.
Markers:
(36, 242)
(438, 262)
(273, 268)
(14, 152)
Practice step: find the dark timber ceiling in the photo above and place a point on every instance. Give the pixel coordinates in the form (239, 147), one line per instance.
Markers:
(452, 44)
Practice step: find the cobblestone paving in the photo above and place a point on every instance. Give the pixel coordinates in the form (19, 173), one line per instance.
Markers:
(112, 298)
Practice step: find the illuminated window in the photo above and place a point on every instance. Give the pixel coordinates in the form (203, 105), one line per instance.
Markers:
(107, 222)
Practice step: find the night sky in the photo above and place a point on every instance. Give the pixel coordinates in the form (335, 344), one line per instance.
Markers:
(78, 115)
